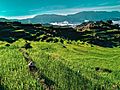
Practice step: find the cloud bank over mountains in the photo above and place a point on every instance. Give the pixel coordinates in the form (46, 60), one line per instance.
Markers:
(22, 9)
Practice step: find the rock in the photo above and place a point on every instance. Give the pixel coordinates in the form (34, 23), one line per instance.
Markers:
(32, 66)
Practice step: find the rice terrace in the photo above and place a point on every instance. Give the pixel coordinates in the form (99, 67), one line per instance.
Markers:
(59, 45)
(36, 57)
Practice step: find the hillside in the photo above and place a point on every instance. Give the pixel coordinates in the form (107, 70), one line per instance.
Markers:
(75, 18)
(38, 57)
(100, 33)
(78, 66)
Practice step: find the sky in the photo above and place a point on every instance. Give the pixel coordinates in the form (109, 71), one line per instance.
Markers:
(20, 9)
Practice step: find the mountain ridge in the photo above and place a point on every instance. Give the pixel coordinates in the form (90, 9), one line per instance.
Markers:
(73, 18)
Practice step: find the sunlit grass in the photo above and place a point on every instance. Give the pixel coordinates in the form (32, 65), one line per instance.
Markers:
(71, 68)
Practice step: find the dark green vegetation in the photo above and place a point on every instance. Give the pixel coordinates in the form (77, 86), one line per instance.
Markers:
(99, 33)
(65, 58)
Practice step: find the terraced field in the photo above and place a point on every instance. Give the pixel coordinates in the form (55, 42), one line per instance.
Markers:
(59, 67)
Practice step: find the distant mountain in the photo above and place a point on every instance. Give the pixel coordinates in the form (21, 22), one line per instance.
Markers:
(4, 20)
(74, 18)
(7, 20)
(93, 16)
(45, 18)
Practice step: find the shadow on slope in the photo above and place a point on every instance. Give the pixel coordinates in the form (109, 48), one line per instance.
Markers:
(68, 79)
(2, 87)
(33, 32)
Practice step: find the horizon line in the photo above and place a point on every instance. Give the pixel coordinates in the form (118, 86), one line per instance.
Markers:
(32, 16)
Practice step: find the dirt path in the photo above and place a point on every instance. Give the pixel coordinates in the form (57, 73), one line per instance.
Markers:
(46, 83)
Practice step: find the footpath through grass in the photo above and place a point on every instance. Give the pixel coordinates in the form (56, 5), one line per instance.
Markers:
(69, 66)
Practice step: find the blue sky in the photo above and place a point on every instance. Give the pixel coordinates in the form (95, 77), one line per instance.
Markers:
(30, 8)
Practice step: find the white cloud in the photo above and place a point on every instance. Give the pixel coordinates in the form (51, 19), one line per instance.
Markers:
(76, 10)
(66, 11)
(18, 17)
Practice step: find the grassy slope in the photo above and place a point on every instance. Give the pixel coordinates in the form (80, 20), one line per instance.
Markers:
(71, 68)
(14, 73)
